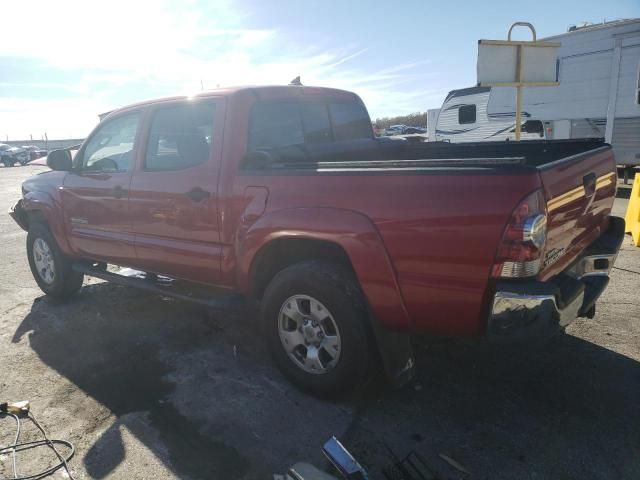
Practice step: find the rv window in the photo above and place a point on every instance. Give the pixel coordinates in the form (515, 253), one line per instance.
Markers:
(533, 126)
(467, 114)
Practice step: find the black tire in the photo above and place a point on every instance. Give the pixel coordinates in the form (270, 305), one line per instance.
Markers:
(336, 289)
(65, 281)
(7, 162)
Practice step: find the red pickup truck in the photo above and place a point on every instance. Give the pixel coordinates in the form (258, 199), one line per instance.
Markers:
(348, 243)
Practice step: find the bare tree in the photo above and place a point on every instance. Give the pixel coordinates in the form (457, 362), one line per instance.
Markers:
(418, 119)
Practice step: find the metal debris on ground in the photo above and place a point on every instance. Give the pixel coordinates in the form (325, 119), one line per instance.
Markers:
(453, 463)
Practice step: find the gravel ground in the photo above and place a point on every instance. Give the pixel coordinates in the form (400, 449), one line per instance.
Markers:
(147, 387)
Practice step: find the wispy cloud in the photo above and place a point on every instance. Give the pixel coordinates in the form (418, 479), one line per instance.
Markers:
(348, 57)
(134, 50)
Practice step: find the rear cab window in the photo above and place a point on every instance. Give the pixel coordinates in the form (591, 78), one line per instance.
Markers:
(350, 121)
(315, 123)
(276, 125)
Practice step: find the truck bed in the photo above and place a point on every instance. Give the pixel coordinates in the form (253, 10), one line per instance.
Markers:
(441, 208)
(392, 155)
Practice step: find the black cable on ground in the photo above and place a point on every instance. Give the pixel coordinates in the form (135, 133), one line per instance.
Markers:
(20, 447)
(15, 441)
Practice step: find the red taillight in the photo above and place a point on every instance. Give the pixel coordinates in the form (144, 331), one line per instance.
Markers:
(520, 250)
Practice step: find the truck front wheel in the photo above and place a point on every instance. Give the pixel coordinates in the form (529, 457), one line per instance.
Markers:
(314, 320)
(51, 270)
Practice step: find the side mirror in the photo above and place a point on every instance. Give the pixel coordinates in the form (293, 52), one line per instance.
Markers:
(60, 160)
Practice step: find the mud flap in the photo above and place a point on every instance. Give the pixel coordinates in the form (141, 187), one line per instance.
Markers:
(396, 353)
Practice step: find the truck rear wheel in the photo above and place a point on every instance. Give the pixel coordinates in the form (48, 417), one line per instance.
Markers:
(314, 320)
(51, 270)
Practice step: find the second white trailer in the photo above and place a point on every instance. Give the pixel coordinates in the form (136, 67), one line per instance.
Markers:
(598, 68)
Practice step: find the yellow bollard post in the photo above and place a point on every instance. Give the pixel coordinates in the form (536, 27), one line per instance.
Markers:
(632, 217)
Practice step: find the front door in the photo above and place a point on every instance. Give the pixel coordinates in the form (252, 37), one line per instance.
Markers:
(95, 194)
(173, 199)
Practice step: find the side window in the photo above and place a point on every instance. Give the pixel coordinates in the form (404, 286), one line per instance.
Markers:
(350, 121)
(467, 114)
(110, 149)
(315, 120)
(180, 137)
(273, 125)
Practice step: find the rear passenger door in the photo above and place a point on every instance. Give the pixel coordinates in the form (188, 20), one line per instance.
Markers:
(173, 197)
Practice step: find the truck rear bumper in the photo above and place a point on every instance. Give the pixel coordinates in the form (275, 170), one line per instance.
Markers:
(524, 310)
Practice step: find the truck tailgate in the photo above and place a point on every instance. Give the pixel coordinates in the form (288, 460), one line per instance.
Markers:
(579, 191)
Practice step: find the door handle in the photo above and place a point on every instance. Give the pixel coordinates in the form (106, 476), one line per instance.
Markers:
(118, 192)
(197, 194)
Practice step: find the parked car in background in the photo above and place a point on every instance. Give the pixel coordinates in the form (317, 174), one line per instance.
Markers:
(34, 152)
(395, 130)
(9, 155)
(404, 130)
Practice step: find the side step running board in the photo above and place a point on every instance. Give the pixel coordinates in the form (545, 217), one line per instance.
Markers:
(189, 292)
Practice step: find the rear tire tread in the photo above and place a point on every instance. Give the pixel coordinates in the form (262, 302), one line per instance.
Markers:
(336, 288)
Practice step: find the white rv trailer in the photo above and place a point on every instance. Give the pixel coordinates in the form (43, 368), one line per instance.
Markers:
(598, 96)
(464, 117)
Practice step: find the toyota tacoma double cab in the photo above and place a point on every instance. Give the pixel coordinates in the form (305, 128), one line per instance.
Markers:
(347, 243)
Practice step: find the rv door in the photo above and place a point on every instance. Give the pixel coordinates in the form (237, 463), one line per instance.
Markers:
(561, 129)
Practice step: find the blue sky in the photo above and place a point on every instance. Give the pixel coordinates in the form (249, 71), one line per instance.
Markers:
(63, 62)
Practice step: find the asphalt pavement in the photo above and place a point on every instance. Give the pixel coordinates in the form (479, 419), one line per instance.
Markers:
(149, 387)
